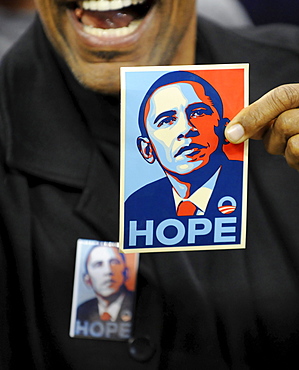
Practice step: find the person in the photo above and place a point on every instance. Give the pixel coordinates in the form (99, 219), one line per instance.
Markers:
(193, 154)
(106, 273)
(233, 309)
(182, 128)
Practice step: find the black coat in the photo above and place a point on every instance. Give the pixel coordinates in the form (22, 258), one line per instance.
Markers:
(59, 182)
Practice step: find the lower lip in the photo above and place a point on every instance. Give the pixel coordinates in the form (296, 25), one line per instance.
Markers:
(109, 283)
(109, 42)
(190, 152)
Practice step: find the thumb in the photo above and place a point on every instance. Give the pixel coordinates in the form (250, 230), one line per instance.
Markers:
(254, 120)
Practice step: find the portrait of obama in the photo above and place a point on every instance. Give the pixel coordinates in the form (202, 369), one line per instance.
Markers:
(181, 127)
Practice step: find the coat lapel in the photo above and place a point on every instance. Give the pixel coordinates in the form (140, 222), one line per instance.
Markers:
(47, 132)
(99, 201)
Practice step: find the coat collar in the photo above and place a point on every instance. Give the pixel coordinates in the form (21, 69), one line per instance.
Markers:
(46, 135)
(52, 128)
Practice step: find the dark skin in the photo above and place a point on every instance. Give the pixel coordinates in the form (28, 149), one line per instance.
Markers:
(162, 39)
(95, 60)
(274, 118)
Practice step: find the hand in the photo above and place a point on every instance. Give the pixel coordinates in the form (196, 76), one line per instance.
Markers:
(274, 118)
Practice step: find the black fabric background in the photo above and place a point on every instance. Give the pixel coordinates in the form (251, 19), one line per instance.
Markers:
(59, 182)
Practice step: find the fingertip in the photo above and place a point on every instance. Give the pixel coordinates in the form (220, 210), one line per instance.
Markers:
(235, 133)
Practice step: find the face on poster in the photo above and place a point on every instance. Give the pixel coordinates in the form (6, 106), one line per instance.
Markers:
(183, 186)
(104, 291)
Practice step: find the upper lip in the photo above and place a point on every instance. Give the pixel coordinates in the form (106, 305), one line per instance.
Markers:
(191, 146)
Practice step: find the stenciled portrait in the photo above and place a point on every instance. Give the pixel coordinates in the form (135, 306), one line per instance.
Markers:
(183, 185)
(104, 291)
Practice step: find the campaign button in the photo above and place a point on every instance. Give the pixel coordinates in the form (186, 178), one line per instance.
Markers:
(141, 349)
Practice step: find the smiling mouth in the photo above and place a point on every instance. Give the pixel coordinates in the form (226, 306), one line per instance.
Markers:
(110, 18)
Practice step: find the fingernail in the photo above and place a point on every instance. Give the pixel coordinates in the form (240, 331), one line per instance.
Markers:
(235, 133)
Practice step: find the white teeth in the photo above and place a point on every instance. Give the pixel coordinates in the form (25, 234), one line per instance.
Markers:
(104, 5)
(112, 32)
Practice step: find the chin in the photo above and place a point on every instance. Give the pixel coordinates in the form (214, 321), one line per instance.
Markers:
(96, 82)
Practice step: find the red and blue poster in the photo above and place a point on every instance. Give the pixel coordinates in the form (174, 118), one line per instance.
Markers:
(183, 185)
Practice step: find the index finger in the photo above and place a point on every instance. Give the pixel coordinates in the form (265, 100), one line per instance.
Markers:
(254, 119)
